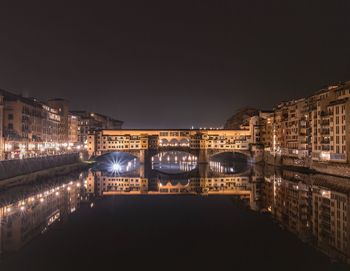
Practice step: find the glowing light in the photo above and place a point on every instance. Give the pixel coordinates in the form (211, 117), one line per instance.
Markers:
(116, 167)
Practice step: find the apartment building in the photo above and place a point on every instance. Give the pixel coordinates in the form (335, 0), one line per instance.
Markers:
(330, 124)
(61, 105)
(317, 126)
(91, 121)
(27, 122)
(73, 124)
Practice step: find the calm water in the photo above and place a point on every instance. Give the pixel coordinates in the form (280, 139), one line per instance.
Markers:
(175, 214)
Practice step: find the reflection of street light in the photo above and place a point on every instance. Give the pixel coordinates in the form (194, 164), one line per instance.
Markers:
(116, 167)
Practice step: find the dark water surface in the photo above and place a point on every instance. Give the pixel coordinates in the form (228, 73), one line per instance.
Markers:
(263, 219)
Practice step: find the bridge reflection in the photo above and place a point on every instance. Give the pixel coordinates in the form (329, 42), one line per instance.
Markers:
(313, 207)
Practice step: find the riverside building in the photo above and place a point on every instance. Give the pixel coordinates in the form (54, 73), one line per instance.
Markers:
(91, 121)
(316, 127)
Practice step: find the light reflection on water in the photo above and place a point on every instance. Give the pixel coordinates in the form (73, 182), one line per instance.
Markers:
(173, 162)
(305, 204)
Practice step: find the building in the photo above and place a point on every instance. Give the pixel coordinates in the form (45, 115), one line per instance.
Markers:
(73, 125)
(91, 121)
(330, 124)
(62, 106)
(291, 122)
(267, 131)
(30, 127)
(315, 127)
(27, 123)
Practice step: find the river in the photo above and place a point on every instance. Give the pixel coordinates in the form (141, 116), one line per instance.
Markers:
(173, 213)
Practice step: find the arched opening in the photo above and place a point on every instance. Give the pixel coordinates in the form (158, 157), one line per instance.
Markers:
(174, 142)
(184, 142)
(117, 162)
(174, 162)
(164, 142)
(229, 162)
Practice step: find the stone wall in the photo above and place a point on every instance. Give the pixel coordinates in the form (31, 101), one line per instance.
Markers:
(295, 162)
(337, 169)
(12, 168)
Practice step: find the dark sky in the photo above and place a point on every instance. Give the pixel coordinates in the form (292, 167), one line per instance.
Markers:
(173, 63)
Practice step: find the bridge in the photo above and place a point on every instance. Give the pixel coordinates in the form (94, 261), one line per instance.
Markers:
(202, 143)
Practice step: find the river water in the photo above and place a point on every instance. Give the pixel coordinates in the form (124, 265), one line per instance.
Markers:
(173, 213)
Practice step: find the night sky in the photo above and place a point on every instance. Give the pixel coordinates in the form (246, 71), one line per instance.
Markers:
(173, 63)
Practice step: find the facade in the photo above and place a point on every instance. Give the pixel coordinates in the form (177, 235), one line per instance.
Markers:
(104, 141)
(290, 129)
(331, 124)
(73, 124)
(267, 131)
(29, 127)
(90, 121)
(27, 124)
(61, 106)
(316, 127)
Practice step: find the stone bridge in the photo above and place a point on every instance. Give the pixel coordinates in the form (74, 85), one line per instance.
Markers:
(202, 143)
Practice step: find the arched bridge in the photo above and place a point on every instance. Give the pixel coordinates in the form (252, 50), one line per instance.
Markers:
(202, 143)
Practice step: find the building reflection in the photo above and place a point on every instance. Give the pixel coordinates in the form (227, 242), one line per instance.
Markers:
(31, 215)
(313, 207)
(204, 180)
(174, 161)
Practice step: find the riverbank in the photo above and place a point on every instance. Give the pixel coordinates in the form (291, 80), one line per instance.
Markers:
(308, 165)
(43, 174)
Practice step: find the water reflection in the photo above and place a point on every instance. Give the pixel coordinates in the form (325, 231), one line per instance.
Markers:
(203, 179)
(174, 162)
(314, 207)
(36, 211)
(117, 163)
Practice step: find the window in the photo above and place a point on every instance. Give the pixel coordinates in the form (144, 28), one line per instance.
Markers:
(10, 116)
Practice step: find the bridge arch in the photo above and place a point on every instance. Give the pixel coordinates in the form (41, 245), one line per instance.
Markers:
(240, 153)
(164, 142)
(118, 162)
(174, 142)
(121, 153)
(184, 142)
